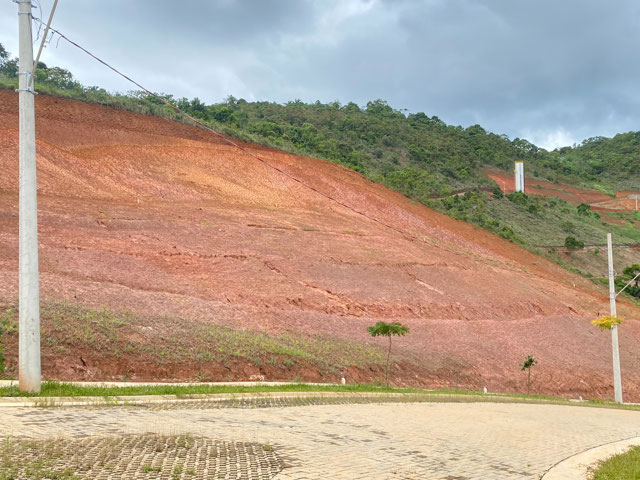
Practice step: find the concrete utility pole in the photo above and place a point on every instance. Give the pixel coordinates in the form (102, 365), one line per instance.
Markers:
(617, 381)
(519, 176)
(28, 287)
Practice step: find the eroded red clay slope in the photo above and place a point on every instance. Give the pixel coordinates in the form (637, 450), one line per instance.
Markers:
(160, 218)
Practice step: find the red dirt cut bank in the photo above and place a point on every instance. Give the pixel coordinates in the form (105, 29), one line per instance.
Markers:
(167, 222)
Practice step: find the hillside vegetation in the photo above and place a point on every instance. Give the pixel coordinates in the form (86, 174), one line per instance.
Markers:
(383, 143)
(170, 254)
(415, 154)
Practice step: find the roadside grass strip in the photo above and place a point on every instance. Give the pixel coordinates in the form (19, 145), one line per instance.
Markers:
(60, 394)
(625, 466)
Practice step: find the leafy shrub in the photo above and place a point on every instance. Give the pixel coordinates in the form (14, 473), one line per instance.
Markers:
(584, 209)
(518, 198)
(607, 322)
(571, 243)
(507, 233)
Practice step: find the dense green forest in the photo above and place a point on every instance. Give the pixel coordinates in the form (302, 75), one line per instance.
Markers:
(416, 154)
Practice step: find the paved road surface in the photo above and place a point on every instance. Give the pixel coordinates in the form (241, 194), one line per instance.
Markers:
(452, 441)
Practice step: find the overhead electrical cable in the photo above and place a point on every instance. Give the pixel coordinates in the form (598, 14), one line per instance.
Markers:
(229, 141)
(44, 39)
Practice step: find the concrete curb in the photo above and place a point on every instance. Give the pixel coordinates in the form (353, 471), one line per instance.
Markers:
(577, 466)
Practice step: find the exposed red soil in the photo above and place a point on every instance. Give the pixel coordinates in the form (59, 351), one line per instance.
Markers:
(597, 200)
(160, 218)
(624, 194)
(620, 203)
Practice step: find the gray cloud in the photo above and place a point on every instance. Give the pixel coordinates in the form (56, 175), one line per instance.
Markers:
(554, 72)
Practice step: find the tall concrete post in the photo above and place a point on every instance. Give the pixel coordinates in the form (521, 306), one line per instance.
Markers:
(519, 176)
(617, 380)
(28, 285)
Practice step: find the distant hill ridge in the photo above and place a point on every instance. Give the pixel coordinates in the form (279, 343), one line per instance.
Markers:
(416, 154)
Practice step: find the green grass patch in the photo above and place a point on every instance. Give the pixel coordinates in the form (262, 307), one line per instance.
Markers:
(65, 389)
(70, 328)
(602, 189)
(53, 389)
(625, 466)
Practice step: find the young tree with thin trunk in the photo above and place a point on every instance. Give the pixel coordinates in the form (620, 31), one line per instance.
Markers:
(528, 363)
(388, 330)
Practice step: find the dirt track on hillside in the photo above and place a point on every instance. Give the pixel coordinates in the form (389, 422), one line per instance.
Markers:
(163, 219)
(597, 200)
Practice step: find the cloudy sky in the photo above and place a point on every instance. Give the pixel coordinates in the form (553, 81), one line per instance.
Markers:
(552, 71)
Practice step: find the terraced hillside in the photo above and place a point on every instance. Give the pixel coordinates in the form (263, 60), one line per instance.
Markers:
(166, 253)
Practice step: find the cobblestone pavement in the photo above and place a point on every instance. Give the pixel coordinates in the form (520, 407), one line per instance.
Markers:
(452, 441)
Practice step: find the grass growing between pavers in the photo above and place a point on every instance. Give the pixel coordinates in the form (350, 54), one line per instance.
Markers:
(625, 466)
(147, 456)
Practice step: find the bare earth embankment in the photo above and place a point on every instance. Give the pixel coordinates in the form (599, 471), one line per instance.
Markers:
(598, 200)
(192, 245)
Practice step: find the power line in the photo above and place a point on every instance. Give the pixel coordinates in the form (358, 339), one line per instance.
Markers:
(229, 141)
(44, 39)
